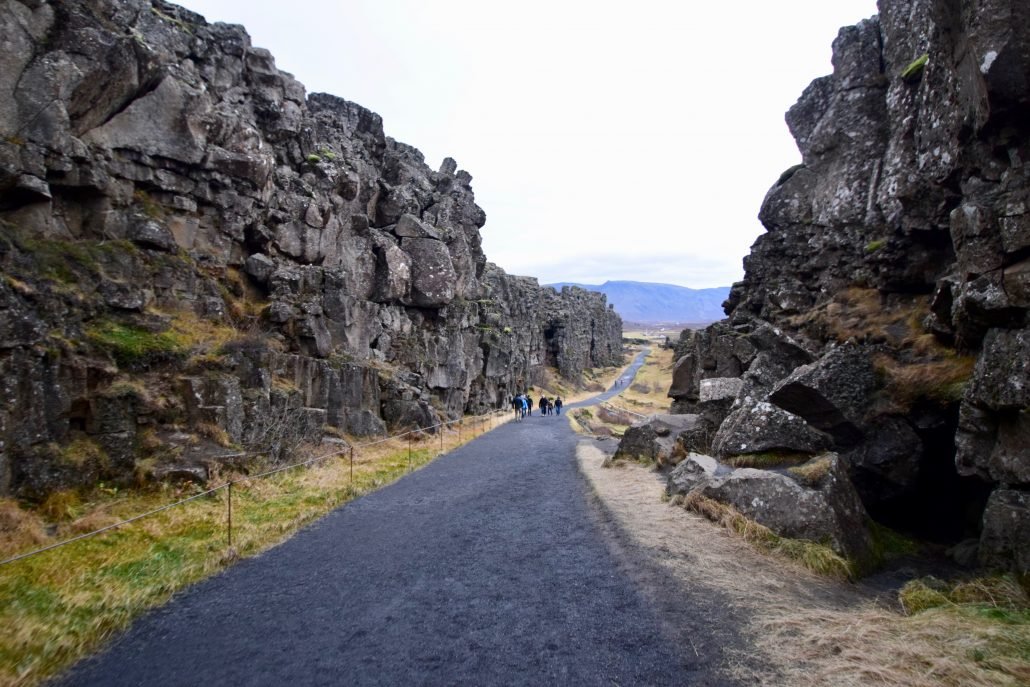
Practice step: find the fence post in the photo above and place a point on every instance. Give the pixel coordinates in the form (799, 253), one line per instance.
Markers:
(229, 527)
(352, 465)
(409, 451)
(441, 437)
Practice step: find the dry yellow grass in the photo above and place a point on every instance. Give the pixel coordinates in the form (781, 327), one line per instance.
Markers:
(804, 629)
(941, 381)
(868, 316)
(65, 603)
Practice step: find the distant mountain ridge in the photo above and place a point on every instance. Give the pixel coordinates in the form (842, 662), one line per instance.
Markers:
(646, 302)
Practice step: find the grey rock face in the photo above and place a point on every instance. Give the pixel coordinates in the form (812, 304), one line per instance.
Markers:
(432, 273)
(994, 421)
(914, 192)
(1006, 529)
(177, 170)
(720, 388)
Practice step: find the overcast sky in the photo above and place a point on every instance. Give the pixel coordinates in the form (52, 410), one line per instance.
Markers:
(606, 140)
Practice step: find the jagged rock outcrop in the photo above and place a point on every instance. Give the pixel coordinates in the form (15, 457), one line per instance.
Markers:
(886, 304)
(183, 225)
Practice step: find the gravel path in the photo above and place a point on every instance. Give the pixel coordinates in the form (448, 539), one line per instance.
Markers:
(491, 565)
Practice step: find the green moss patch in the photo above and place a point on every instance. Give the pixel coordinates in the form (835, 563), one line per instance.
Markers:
(132, 346)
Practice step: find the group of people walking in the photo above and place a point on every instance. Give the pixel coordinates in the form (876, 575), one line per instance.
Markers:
(523, 406)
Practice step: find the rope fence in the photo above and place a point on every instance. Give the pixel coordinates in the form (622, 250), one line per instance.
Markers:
(616, 408)
(410, 434)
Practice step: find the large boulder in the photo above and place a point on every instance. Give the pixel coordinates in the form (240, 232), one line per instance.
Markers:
(654, 439)
(817, 503)
(406, 415)
(831, 394)
(760, 427)
(716, 398)
(696, 470)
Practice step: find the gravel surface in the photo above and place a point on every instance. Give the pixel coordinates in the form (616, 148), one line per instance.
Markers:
(491, 565)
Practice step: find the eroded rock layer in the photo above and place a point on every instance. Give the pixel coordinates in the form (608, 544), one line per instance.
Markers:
(883, 314)
(196, 252)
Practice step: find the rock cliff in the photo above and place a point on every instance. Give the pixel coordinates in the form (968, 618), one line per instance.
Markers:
(883, 314)
(197, 257)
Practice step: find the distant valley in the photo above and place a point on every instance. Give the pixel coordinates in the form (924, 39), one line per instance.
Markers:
(650, 303)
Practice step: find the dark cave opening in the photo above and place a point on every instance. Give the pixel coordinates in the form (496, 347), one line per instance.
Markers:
(551, 345)
(939, 505)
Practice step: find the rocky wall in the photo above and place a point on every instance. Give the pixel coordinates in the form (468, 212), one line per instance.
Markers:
(883, 314)
(192, 246)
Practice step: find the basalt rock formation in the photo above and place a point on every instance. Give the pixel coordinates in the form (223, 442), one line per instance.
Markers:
(195, 252)
(883, 314)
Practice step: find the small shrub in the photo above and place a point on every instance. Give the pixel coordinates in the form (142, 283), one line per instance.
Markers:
(921, 594)
(121, 388)
(888, 545)
(1002, 593)
(313, 158)
(876, 245)
(215, 434)
(207, 361)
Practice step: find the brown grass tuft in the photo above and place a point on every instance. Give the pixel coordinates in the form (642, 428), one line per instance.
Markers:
(811, 474)
(19, 529)
(215, 434)
(867, 316)
(60, 505)
(770, 459)
(941, 381)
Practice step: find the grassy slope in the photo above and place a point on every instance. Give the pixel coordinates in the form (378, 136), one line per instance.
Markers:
(65, 603)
